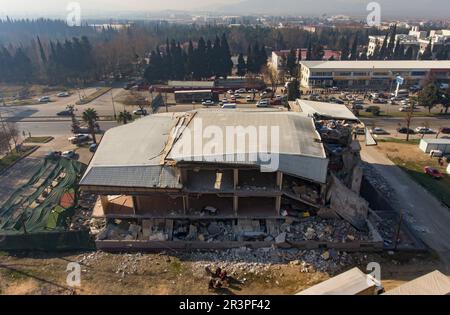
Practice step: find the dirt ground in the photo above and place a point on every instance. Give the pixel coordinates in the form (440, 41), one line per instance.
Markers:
(408, 152)
(161, 274)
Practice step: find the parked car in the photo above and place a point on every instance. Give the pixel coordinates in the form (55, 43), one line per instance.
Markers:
(79, 138)
(140, 112)
(44, 99)
(263, 103)
(424, 130)
(93, 147)
(358, 106)
(372, 109)
(379, 131)
(53, 155)
(445, 130)
(406, 130)
(241, 91)
(208, 103)
(408, 108)
(436, 153)
(230, 92)
(415, 88)
(63, 94)
(443, 86)
(68, 154)
(379, 101)
(229, 106)
(433, 172)
(249, 98)
(253, 91)
(65, 113)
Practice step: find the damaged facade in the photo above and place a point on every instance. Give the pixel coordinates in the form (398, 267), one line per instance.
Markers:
(158, 186)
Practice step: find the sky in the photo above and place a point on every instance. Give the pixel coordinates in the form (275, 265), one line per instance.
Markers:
(411, 8)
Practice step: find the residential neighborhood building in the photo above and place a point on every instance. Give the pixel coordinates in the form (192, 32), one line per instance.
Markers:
(416, 39)
(279, 58)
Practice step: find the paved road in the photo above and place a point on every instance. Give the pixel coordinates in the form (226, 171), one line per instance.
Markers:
(427, 216)
(392, 123)
(55, 128)
(103, 105)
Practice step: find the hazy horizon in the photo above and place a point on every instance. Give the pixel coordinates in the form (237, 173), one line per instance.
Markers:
(399, 8)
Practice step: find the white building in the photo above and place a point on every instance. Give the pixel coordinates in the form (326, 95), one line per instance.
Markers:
(416, 39)
(373, 74)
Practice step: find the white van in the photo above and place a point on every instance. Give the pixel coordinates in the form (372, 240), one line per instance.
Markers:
(229, 105)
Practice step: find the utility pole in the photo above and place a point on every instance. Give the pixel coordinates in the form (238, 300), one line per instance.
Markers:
(397, 234)
(114, 106)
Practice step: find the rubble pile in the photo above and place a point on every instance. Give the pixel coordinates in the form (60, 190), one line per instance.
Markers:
(215, 231)
(378, 181)
(81, 220)
(317, 229)
(91, 258)
(335, 131)
(246, 261)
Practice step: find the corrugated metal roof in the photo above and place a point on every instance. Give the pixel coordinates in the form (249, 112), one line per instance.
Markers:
(332, 110)
(133, 155)
(155, 176)
(295, 149)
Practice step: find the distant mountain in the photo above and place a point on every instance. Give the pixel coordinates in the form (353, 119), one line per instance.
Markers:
(389, 8)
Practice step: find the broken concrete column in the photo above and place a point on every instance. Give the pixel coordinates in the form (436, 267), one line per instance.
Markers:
(348, 204)
(105, 203)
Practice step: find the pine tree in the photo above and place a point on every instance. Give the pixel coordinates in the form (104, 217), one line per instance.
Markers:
(241, 66)
(354, 50)
(309, 51)
(291, 62)
(250, 60)
(408, 54)
(344, 47)
(383, 50)
(428, 53)
(392, 42)
(226, 56)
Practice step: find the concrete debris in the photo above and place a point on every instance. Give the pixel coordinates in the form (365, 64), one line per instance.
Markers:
(81, 220)
(245, 261)
(379, 182)
(281, 238)
(277, 231)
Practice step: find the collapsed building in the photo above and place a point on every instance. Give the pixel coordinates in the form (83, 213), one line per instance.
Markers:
(220, 179)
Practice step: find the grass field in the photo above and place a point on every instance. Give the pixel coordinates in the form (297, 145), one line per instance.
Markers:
(38, 139)
(403, 141)
(94, 95)
(440, 188)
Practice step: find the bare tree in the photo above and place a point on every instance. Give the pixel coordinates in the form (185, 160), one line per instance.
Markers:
(409, 115)
(13, 133)
(270, 75)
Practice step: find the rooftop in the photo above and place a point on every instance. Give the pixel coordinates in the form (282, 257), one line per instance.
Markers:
(144, 153)
(329, 110)
(379, 64)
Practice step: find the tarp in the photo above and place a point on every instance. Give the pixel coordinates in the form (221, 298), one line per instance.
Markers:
(42, 204)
